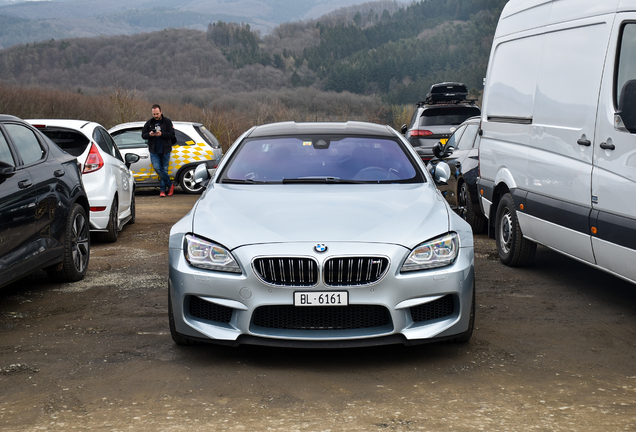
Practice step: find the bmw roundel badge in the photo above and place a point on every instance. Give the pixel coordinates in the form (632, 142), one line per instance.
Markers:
(320, 247)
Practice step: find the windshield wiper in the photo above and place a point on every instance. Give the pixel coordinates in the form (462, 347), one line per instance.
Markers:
(320, 180)
(241, 181)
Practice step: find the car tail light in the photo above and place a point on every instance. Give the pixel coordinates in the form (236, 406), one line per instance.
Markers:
(98, 209)
(94, 161)
(418, 132)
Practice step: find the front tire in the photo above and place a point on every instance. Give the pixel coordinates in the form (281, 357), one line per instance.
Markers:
(186, 180)
(514, 250)
(76, 248)
(467, 212)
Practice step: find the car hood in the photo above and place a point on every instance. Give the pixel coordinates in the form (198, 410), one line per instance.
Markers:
(238, 215)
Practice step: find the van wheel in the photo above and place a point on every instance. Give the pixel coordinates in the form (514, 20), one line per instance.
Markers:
(76, 248)
(514, 250)
(113, 225)
(466, 210)
(186, 180)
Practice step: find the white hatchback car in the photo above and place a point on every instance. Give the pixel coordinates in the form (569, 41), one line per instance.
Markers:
(195, 144)
(107, 178)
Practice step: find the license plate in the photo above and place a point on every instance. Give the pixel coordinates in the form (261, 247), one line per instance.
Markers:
(444, 140)
(321, 298)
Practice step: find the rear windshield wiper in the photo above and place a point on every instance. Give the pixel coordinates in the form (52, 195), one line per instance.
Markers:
(320, 180)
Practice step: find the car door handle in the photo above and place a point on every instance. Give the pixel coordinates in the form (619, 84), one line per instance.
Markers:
(584, 142)
(606, 146)
(24, 184)
(143, 157)
(59, 173)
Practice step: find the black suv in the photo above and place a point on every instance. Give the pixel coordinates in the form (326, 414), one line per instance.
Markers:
(43, 207)
(446, 106)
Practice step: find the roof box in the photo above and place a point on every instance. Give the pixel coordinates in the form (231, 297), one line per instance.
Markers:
(446, 92)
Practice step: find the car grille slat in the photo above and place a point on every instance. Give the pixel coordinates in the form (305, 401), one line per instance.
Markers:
(439, 308)
(289, 317)
(355, 271)
(287, 271)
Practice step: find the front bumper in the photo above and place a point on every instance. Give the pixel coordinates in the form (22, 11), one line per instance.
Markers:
(412, 308)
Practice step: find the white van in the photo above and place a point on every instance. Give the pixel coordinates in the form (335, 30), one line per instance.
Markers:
(558, 147)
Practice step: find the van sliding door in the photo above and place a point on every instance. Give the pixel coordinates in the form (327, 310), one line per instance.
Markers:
(614, 174)
(558, 203)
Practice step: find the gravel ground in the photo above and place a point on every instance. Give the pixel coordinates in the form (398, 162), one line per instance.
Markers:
(553, 350)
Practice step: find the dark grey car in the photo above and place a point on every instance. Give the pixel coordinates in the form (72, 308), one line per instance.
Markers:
(43, 207)
(461, 153)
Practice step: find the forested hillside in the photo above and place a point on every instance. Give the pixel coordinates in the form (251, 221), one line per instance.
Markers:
(378, 49)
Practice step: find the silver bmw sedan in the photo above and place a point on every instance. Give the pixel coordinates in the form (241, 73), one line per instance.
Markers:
(321, 235)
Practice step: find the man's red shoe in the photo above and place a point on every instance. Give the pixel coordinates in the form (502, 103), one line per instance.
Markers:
(171, 190)
(162, 194)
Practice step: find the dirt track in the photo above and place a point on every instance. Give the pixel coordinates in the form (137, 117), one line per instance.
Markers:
(553, 350)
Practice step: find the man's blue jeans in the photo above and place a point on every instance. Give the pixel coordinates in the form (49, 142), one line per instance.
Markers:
(160, 163)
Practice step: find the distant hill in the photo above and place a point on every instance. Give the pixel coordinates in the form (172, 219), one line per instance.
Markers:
(380, 49)
(33, 21)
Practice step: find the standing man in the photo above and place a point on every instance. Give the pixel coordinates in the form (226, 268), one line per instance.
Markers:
(160, 135)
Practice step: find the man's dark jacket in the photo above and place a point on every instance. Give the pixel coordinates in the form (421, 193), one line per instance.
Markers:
(167, 134)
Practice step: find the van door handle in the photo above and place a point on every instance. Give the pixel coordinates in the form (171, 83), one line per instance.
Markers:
(59, 173)
(584, 142)
(606, 146)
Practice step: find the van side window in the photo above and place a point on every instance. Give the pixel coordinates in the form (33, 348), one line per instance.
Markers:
(626, 60)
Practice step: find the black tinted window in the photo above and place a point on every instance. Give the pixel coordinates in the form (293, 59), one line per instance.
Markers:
(183, 139)
(627, 59)
(101, 141)
(5, 153)
(468, 137)
(455, 137)
(26, 143)
(68, 140)
(447, 116)
(208, 136)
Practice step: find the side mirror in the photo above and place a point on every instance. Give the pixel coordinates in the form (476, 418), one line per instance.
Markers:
(625, 118)
(201, 175)
(441, 152)
(131, 158)
(403, 129)
(441, 173)
(6, 170)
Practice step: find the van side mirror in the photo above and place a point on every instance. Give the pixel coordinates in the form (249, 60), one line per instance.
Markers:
(404, 128)
(627, 108)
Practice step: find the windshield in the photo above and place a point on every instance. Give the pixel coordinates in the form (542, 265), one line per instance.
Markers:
(321, 159)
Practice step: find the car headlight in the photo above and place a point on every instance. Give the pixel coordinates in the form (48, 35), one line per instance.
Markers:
(438, 252)
(207, 255)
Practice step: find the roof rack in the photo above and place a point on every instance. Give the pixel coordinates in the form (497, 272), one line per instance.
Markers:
(446, 102)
